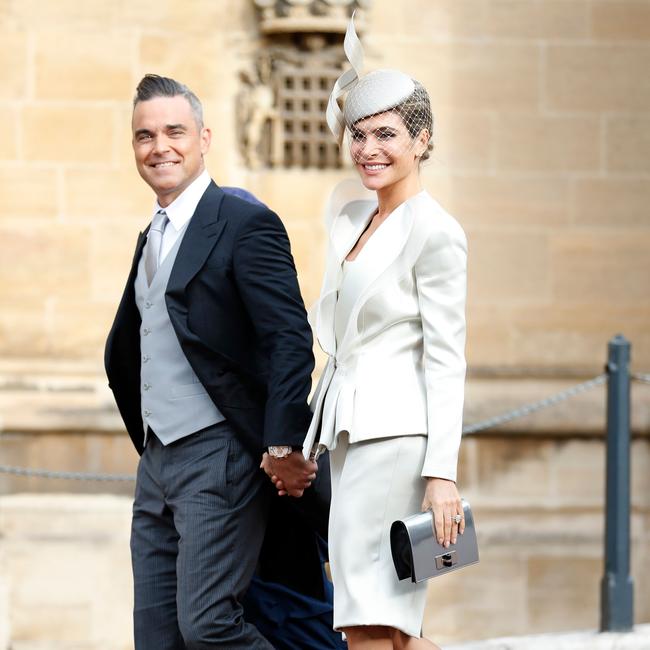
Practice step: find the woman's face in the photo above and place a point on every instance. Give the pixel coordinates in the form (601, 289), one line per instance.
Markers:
(383, 151)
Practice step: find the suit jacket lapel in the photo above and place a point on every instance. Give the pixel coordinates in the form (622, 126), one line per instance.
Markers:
(385, 250)
(345, 232)
(128, 301)
(349, 226)
(139, 246)
(203, 232)
(127, 312)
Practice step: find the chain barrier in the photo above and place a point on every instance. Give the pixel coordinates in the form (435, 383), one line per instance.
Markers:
(68, 476)
(483, 425)
(533, 407)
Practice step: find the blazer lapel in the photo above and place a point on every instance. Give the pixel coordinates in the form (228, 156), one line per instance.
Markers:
(127, 312)
(203, 232)
(139, 246)
(394, 253)
(127, 302)
(345, 232)
(379, 253)
(349, 226)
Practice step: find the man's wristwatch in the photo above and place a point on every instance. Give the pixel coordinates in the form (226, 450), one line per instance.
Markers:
(280, 451)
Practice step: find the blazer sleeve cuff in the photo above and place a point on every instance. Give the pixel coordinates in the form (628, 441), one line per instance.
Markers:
(286, 424)
(434, 470)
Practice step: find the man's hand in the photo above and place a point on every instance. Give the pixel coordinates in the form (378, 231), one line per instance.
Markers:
(291, 475)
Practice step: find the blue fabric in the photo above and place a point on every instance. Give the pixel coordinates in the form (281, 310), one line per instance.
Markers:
(290, 620)
(242, 194)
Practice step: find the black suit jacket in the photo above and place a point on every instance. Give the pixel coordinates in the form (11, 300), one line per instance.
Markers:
(235, 305)
(234, 302)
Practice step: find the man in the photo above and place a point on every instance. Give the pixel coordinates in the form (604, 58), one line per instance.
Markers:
(209, 360)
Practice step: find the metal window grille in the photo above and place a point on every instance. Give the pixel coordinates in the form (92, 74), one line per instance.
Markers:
(302, 138)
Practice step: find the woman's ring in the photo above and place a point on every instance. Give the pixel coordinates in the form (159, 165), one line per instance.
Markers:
(457, 519)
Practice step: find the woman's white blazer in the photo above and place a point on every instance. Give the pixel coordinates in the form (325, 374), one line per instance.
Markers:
(398, 367)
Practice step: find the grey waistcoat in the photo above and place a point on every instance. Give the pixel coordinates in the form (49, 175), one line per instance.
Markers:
(174, 402)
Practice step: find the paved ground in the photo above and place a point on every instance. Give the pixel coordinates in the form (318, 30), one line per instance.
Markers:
(639, 639)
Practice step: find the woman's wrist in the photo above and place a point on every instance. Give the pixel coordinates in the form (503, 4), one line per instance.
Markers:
(438, 478)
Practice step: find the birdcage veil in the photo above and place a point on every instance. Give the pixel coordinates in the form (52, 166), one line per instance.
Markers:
(375, 94)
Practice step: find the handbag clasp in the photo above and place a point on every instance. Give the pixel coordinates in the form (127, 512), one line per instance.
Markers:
(446, 560)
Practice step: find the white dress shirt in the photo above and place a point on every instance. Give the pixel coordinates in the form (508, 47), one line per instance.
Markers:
(180, 211)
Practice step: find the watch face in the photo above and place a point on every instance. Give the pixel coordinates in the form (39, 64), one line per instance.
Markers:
(279, 451)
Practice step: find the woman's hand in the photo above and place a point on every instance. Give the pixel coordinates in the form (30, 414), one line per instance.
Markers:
(291, 475)
(441, 496)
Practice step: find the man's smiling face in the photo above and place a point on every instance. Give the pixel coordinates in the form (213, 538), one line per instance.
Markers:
(169, 145)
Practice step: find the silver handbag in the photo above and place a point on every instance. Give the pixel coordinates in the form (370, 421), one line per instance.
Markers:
(417, 554)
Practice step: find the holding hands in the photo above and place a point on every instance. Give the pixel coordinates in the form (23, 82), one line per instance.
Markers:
(291, 475)
(442, 498)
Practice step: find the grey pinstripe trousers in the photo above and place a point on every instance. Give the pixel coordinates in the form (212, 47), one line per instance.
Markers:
(198, 523)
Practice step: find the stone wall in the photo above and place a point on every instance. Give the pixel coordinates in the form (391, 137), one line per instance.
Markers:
(65, 579)
(542, 153)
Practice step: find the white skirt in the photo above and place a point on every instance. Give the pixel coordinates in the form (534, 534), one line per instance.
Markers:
(374, 483)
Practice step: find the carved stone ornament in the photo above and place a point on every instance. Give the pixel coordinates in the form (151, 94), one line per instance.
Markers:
(257, 117)
(281, 107)
(328, 16)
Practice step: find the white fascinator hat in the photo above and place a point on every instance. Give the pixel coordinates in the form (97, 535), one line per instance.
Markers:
(376, 92)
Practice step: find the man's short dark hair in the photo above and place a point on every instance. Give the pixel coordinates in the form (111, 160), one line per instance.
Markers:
(153, 85)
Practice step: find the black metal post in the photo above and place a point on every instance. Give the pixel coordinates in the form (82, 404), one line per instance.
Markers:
(617, 587)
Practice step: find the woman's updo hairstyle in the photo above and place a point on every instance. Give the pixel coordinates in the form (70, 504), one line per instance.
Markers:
(417, 116)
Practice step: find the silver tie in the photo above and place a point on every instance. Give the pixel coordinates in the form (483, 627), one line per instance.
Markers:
(153, 245)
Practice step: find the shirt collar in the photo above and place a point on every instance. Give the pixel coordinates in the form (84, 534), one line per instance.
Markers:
(181, 209)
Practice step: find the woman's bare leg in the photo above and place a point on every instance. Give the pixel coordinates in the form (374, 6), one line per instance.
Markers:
(369, 637)
(378, 637)
(403, 641)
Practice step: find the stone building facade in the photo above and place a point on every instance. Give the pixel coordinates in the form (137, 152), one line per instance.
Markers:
(542, 152)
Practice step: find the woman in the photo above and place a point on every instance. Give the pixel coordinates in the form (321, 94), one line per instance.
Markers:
(391, 318)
